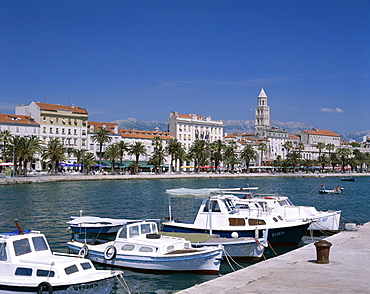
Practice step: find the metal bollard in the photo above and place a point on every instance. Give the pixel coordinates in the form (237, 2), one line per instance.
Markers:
(322, 251)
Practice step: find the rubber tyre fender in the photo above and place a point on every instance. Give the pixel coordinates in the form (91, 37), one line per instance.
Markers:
(44, 286)
(110, 252)
(84, 251)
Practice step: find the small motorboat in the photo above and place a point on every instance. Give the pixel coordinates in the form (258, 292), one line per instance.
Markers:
(138, 246)
(27, 265)
(337, 190)
(351, 179)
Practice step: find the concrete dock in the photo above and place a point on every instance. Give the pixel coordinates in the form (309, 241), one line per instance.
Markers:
(297, 271)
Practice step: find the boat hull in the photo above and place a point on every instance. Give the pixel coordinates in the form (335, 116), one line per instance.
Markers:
(276, 236)
(201, 262)
(100, 286)
(328, 223)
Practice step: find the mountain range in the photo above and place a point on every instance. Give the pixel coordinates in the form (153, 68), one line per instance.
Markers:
(238, 126)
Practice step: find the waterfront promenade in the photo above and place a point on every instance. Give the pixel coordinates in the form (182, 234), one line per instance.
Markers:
(66, 177)
(297, 271)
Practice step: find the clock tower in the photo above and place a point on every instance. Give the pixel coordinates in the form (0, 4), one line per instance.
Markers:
(262, 116)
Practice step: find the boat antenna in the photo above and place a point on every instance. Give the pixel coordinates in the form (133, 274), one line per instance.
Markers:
(20, 231)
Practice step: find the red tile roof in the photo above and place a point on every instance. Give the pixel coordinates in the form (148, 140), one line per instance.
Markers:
(97, 125)
(17, 119)
(321, 132)
(56, 107)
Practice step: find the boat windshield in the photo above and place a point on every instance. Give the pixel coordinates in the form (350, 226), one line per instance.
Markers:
(39, 243)
(21, 247)
(3, 255)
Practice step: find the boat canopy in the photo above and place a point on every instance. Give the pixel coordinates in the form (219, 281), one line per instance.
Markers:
(206, 192)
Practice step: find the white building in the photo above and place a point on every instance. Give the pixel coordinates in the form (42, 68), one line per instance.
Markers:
(187, 128)
(314, 136)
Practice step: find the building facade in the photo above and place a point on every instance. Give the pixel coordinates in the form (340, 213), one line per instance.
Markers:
(187, 128)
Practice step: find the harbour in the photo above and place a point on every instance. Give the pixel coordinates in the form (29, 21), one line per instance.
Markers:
(48, 206)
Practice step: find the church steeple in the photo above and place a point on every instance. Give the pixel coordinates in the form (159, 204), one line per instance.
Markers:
(262, 116)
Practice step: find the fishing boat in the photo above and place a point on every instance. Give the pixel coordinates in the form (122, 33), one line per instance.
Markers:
(223, 214)
(27, 265)
(322, 221)
(138, 246)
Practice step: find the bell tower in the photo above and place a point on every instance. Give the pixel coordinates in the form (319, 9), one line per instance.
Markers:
(262, 116)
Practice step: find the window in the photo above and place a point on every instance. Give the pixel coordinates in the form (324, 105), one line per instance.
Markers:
(133, 231)
(44, 129)
(86, 265)
(23, 271)
(39, 243)
(146, 249)
(170, 248)
(45, 273)
(128, 247)
(71, 269)
(21, 247)
(75, 132)
(145, 228)
(3, 252)
(51, 130)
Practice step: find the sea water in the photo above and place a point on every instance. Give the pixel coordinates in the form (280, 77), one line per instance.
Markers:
(48, 206)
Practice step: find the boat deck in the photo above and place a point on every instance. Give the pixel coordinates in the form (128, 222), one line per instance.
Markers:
(298, 272)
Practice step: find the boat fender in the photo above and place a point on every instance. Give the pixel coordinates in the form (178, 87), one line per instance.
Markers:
(110, 252)
(153, 236)
(44, 287)
(84, 251)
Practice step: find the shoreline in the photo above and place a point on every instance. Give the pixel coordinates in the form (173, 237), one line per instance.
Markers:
(67, 178)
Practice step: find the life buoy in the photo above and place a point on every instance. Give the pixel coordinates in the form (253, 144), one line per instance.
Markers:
(84, 251)
(44, 287)
(110, 252)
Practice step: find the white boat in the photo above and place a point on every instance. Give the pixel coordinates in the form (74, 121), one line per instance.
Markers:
(331, 191)
(220, 213)
(27, 265)
(139, 246)
(282, 205)
(243, 248)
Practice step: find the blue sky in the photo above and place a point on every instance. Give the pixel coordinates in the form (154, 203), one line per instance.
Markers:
(143, 59)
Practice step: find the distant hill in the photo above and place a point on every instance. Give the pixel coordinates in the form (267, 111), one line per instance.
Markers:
(237, 126)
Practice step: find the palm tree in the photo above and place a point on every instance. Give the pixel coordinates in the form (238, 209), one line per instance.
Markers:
(101, 137)
(343, 154)
(292, 158)
(123, 147)
(172, 148)
(248, 154)
(5, 137)
(299, 147)
(216, 148)
(137, 149)
(27, 149)
(360, 157)
(263, 148)
(320, 146)
(158, 155)
(181, 156)
(330, 147)
(199, 152)
(230, 157)
(112, 153)
(307, 163)
(79, 154)
(87, 160)
(54, 152)
(288, 145)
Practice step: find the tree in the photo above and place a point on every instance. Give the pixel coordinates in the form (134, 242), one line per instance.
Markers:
(181, 156)
(330, 147)
(230, 157)
(293, 158)
(299, 147)
(101, 137)
(54, 152)
(199, 152)
(307, 163)
(5, 138)
(320, 146)
(360, 157)
(78, 153)
(87, 161)
(248, 154)
(123, 147)
(172, 148)
(216, 149)
(343, 154)
(137, 149)
(158, 155)
(288, 145)
(112, 153)
(28, 147)
(263, 148)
